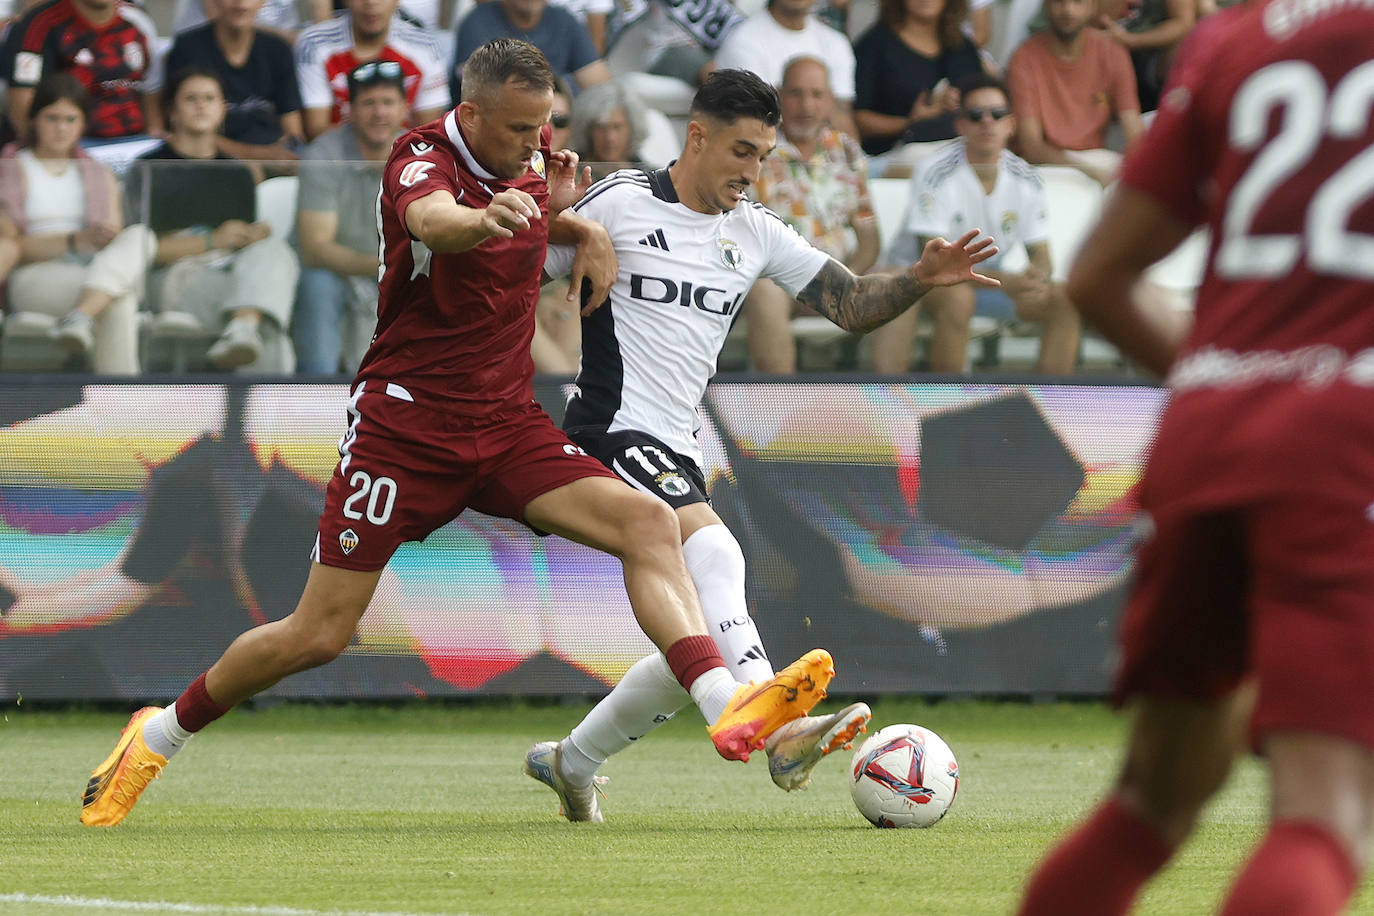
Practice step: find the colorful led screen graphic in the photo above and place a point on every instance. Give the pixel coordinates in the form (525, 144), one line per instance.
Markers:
(936, 538)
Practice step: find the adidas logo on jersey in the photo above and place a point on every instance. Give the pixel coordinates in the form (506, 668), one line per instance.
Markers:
(655, 239)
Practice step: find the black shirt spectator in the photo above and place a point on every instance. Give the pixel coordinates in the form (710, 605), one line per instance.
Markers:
(890, 76)
(258, 93)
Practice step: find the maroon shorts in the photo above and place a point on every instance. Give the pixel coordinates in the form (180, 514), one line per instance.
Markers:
(406, 470)
(1281, 590)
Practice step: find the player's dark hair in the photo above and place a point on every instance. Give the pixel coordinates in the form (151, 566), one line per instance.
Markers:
(178, 79)
(728, 95)
(502, 60)
(980, 80)
(56, 87)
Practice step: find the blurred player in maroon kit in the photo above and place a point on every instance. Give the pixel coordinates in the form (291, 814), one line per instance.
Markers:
(443, 417)
(1253, 610)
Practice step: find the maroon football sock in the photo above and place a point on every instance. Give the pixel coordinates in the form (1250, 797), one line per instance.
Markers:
(1099, 868)
(196, 709)
(691, 657)
(1300, 869)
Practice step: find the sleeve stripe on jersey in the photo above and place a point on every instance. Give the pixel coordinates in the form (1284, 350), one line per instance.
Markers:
(613, 181)
(758, 206)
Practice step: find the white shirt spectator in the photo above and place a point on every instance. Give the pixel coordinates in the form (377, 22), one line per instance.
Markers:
(763, 46)
(947, 199)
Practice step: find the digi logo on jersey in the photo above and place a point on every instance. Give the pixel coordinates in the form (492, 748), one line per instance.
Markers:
(685, 293)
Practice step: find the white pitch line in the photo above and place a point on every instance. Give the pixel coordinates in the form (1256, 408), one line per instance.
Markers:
(155, 906)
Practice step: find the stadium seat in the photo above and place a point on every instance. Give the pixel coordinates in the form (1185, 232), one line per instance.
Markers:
(276, 204)
(26, 346)
(1180, 272)
(889, 196)
(662, 144)
(1074, 201)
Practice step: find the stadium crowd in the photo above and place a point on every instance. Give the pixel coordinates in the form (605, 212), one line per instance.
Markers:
(205, 199)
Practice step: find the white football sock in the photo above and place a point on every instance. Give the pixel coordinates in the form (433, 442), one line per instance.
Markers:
(646, 697)
(712, 692)
(163, 733)
(717, 567)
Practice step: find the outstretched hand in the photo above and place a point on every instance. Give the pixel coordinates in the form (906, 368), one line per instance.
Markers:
(945, 263)
(566, 186)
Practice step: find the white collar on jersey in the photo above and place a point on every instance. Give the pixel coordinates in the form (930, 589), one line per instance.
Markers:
(456, 138)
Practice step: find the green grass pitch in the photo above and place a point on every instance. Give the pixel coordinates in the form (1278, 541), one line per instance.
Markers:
(299, 810)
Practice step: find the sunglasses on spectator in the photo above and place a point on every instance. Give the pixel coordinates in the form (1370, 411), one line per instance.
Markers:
(560, 121)
(976, 114)
(375, 71)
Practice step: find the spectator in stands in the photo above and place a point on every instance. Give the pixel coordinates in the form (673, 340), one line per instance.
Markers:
(785, 29)
(65, 209)
(564, 40)
(1151, 30)
(593, 14)
(682, 38)
(328, 51)
(107, 44)
(212, 258)
(560, 118)
(907, 66)
(280, 17)
(975, 181)
(1069, 82)
(336, 307)
(258, 74)
(608, 125)
(817, 181)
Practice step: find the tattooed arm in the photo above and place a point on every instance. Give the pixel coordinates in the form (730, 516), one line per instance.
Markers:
(863, 303)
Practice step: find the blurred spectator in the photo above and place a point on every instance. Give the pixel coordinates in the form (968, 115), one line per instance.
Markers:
(328, 51)
(105, 43)
(336, 307)
(1069, 81)
(907, 67)
(979, 183)
(785, 29)
(593, 14)
(212, 258)
(423, 14)
(682, 38)
(258, 74)
(978, 23)
(1151, 31)
(564, 40)
(609, 123)
(65, 209)
(817, 181)
(280, 17)
(560, 118)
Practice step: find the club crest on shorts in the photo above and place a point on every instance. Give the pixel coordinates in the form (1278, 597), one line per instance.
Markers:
(348, 539)
(672, 483)
(537, 163)
(730, 255)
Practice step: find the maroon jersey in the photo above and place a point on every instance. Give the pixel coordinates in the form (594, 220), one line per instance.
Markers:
(110, 60)
(1266, 136)
(454, 329)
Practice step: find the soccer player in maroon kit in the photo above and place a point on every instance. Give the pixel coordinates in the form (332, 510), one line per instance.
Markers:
(443, 417)
(1253, 610)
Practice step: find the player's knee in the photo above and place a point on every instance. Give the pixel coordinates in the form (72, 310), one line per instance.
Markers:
(650, 525)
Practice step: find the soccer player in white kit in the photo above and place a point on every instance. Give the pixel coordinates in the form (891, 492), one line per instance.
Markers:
(690, 245)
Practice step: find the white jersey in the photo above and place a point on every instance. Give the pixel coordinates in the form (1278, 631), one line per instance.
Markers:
(648, 353)
(947, 199)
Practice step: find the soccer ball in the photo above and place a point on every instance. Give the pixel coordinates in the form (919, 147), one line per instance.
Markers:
(904, 776)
